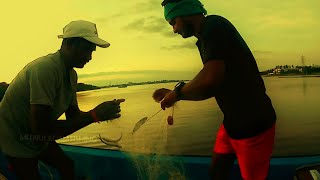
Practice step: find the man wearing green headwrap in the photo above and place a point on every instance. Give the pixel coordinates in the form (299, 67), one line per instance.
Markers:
(230, 74)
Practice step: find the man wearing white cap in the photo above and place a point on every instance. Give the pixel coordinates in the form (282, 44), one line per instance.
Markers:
(230, 74)
(42, 91)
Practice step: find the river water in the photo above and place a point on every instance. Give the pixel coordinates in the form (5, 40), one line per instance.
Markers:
(296, 101)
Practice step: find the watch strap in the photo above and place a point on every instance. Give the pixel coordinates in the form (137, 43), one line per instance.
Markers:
(178, 88)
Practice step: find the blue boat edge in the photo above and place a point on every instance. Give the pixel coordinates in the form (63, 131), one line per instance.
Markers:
(93, 163)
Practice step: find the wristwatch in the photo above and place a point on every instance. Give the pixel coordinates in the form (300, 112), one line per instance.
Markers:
(177, 89)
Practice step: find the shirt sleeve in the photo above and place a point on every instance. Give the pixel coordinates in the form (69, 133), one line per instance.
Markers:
(42, 83)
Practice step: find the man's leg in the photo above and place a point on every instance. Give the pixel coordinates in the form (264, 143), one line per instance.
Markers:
(55, 157)
(223, 156)
(254, 155)
(221, 165)
(24, 168)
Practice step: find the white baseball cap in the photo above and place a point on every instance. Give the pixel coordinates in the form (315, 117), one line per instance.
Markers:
(83, 29)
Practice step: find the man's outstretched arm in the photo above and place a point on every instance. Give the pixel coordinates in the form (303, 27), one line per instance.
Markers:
(202, 87)
(43, 124)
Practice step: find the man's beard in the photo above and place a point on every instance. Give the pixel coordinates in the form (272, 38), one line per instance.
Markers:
(187, 31)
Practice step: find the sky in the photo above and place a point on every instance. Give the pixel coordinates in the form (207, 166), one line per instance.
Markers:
(143, 45)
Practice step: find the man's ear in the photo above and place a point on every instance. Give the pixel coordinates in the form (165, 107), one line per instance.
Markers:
(72, 43)
(73, 46)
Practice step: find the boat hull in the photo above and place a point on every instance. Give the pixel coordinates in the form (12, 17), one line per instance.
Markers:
(93, 164)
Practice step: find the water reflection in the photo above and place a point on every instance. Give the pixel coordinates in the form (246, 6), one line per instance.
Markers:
(304, 86)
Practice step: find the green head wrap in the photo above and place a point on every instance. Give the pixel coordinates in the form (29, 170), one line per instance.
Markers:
(183, 8)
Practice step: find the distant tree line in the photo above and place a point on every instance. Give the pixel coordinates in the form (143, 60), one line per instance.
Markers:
(142, 83)
(86, 87)
(80, 87)
(291, 69)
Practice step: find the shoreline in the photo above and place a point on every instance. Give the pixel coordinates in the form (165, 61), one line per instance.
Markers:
(291, 76)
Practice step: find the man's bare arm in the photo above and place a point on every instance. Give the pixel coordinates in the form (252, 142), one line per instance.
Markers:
(204, 85)
(43, 124)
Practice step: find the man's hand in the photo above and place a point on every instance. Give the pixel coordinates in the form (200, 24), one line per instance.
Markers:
(108, 110)
(166, 97)
(159, 94)
(169, 100)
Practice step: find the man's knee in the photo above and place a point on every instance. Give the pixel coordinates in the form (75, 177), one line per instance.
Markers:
(221, 165)
(223, 159)
(24, 168)
(66, 164)
(66, 169)
(60, 161)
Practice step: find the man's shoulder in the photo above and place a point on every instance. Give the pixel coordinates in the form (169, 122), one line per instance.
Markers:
(48, 58)
(44, 62)
(215, 20)
(215, 17)
(215, 25)
(45, 67)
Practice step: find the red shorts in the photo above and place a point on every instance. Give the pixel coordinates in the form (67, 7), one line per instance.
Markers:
(253, 153)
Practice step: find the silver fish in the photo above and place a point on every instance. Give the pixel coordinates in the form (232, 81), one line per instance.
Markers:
(139, 124)
(142, 121)
(111, 142)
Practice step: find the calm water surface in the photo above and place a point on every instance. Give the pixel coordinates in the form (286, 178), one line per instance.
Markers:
(296, 101)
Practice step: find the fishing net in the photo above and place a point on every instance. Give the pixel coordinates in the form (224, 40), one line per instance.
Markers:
(156, 163)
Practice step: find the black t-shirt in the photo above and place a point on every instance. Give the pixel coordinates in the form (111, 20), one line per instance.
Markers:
(242, 96)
